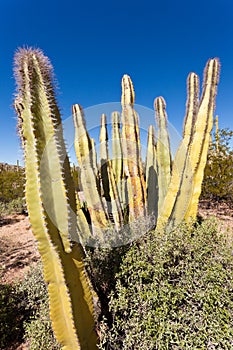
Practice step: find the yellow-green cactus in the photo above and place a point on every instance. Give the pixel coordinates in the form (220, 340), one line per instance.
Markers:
(131, 153)
(51, 204)
(111, 193)
(151, 174)
(83, 148)
(163, 151)
(181, 201)
(117, 156)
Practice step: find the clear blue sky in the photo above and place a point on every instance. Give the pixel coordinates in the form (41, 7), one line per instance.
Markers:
(93, 43)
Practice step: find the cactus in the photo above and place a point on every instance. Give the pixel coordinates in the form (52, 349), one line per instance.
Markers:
(181, 201)
(151, 174)
(83, 148)
(117, 155)
(163, 151)
(216, 133)
(131, 152)
(168, 190)
(49, 187)
(109, 184)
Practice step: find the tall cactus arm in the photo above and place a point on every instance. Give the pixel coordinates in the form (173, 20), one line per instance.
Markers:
(181, 180)
(201, 138)
(163, 150)
(83, 148)
(192, 106)
(73, 322)
(103, 138)
(151, 174)
(216, 133)
(188, 168)
(108, 180)
(117, 155)
(131, 152)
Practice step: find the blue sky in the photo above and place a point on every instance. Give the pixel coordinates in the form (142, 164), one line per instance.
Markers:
(91, 44)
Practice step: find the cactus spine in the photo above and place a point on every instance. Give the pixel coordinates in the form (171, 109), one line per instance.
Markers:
(49, 186)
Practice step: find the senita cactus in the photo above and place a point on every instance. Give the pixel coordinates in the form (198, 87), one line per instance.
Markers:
(163, 151)
(151, 174)
(117, 191)
(49, 183)
(135, 184)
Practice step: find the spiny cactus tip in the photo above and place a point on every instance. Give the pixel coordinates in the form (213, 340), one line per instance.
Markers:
(128, 94)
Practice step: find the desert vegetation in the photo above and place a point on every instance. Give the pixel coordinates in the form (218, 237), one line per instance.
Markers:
(131, 267)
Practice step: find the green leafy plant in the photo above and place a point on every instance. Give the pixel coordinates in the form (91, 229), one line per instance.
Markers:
(174, 291)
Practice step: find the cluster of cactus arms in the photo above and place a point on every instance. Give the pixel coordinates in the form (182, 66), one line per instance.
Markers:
(117, 191)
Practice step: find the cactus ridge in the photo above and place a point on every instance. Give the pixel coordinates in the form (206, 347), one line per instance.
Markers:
(163, 151)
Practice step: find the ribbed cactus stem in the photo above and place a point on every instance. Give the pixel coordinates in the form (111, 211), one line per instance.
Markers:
(188, 167)
(131, 152)
(103, 138)
(192, 106)
(117, 154)
(151, 174)
(83, 148)
(175, 204)
(108, 180)
(181, 180)
(163, 150)
(47, 195)
(216, 133)
(200, 142)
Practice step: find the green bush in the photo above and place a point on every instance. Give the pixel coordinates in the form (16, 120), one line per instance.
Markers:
(24, 314)
(174, 291)
(102, 265)
(38, 329)
(15, 206)
(11, 185)
(12, 192)
(12, 316)
(218, 176)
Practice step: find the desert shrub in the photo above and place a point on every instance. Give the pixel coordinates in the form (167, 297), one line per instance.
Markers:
(218, 176)
(11, 185)
(102, 265)
(12, 192)
(174, 291)
(37, 328)
(15, 206)
(12, 316)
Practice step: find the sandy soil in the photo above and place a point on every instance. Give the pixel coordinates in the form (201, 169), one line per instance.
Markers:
(17, 248)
